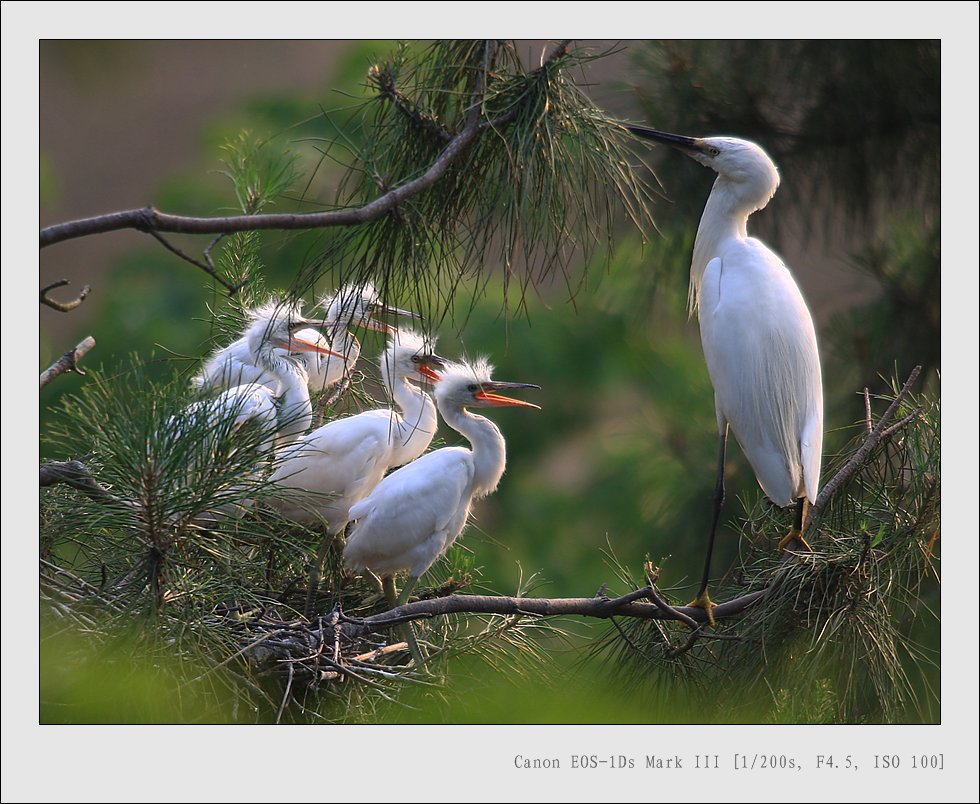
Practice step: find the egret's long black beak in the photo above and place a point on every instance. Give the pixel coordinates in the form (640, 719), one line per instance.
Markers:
(686, 144)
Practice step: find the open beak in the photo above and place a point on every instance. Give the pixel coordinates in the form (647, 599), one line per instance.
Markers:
(486, 394)
(689, 145)
(431, 366)
(380, 313)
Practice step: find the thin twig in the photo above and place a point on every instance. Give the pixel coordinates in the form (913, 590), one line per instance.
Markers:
(63, 307)
(901, 422)
(862, 453)
(868, 421)
(328, 400)
(208, 267)
(210, 248)
(379, 652)
(250, 646)
(670, 611)
(68, 361)
(285, 695)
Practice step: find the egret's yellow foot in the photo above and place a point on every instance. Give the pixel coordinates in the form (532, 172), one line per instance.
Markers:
(702, 601)
(795, 535)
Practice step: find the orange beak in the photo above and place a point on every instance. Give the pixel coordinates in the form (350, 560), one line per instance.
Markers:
(486, 395)
(430, 367)
(296, 344)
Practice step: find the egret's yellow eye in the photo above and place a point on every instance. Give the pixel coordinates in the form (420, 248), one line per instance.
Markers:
(713, 151)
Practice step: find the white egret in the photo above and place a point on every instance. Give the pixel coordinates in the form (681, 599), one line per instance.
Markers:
(757, 335)
(352, 305)
(272, 339)
(324, 473)
(416, 513)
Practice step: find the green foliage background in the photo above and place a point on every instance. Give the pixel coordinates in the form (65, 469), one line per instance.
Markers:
(620, 461)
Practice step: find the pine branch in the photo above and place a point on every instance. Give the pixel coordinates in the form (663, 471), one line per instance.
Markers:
(151, 220)
(880, 432)
(629, 605)
(76, 475)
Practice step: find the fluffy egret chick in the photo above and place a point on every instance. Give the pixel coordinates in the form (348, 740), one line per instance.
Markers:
(324, 473)
(270, 337)
(351, 306)
(756, 332)
(416, 513)
(238, 363)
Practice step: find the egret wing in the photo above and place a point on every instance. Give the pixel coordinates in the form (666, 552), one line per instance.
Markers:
(333, 467)
(761, 352)
(413, 515)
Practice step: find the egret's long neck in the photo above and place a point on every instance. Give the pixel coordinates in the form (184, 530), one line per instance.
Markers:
(295, 409)
(413, 432)
(724, 218)
(489, 448)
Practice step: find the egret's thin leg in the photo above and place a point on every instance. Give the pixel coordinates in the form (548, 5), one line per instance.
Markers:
(315, 575)
(796, 532)
(388, 586)
(406, 630)
(702, 600)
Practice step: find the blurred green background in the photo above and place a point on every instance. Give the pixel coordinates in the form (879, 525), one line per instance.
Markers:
(621, 458)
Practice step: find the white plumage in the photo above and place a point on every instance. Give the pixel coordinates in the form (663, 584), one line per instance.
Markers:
(351, 306)
(756, 331)
(269, 338)
(415, 514)
(331, 468)
(326, 472)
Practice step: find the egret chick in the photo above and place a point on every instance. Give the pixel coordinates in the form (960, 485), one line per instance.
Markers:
(270, 338)
(351, 306)
(324, 473)
(757, 335)
(416, 513)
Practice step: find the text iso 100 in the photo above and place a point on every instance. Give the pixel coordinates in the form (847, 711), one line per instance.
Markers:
(916, 761)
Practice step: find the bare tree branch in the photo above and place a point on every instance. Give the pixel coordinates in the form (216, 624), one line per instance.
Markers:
(151, 220)
(627, 606)
(68, 361)
(76, 475)
(63, 307)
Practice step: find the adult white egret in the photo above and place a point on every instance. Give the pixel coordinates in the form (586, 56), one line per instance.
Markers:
(415, 514)
(757, 335)
(352, 305)
(324, 473)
